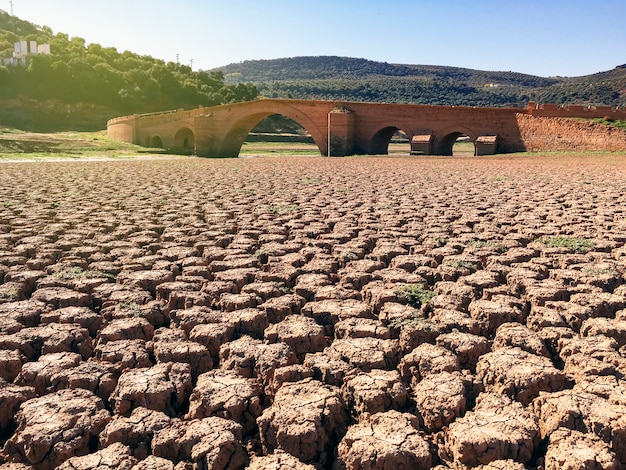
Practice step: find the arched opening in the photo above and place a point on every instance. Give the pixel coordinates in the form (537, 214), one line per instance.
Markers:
(390, 141)
(184, 141)
(458, 144)
(284, 129)
(278, 134)
(156, 142)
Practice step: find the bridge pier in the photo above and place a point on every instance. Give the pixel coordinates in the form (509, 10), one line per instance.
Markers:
(341, 132)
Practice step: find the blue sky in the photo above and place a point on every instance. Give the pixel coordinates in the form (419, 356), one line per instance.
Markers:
(539, 37)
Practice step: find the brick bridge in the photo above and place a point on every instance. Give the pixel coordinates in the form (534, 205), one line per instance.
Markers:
(341, 128)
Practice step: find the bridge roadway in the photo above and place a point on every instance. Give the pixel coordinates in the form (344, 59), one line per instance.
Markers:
(337, 128)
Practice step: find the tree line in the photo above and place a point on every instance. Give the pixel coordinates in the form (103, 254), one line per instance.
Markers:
(124, 81)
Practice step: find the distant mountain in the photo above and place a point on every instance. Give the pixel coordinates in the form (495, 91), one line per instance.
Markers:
(351, 79)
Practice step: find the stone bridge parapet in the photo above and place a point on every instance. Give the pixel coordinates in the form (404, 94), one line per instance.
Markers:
(341, 128)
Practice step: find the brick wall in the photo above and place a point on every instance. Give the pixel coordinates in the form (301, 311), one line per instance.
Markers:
(552, 133)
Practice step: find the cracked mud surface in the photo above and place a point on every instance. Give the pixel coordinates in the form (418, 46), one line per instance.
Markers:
(274, 313)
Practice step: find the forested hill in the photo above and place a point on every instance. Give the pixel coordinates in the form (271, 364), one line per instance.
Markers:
(350, 79)
(79, 86)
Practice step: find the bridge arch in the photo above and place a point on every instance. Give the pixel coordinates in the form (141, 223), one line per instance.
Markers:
(235, 137)
(155, 142)
(444, 140)
(379, 142)
(184, 140)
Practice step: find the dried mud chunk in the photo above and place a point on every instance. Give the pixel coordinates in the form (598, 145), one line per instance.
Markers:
(375, 392)
(39, 374)
(170, 345)
(591, 356)
(124, 354)
(10, 364)
(56, 427)
(328, 312)
(249, 321)
(497, 429)
(500, 465)
(147, 280)
(602, 304)
(278, 461)
(282, 375)
(585, 412)
(47, 339)
(366, 353)
(301, 333)
(383, 441)
(569, 449)
(519, 374)
(467, 347)
(187, 319)
(454, 320)
(239, 277)
(491, 315)
(116, 456)
(327, 369)
(611, 328)
(558, 314)
(163, 387)
(212, 336)
(516, 335)
(12, 292)
(305, 420)
(211, 443)
(27, 313)
(61, 297)
(378, 293)
(307, 284)
(277, 308)
(90, 375)
(126, 329)
(135, 431)
(154, 463)
(546, 290)
(11, 397)
(82, 316)
(440, 399)
(252, 358)
(427, 359)
(361, 328)
(227, 395)
(452, 295)
(230, 302)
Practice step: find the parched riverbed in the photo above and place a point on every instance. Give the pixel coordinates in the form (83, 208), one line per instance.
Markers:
(299, 312)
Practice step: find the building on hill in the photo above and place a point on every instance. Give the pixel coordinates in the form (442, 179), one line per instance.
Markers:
(22, 50)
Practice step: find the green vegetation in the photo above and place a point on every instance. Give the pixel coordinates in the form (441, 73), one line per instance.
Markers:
(18, 145)
(415, 294)
(76, 272)
(609, 122)
(122, 83)
(350, 79)
(579, 245)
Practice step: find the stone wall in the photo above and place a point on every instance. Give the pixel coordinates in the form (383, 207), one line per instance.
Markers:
(553, 133)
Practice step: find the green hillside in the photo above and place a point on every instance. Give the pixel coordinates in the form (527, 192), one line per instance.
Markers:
(350, 79)
(79, 87)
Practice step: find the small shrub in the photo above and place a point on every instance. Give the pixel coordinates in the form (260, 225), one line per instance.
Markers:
(415, 294)
(579, 245)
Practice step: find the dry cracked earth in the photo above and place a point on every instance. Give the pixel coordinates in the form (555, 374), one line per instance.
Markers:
(301, 313)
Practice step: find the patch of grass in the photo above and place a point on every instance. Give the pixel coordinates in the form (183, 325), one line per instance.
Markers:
(413, 321)
(579, 245)
(500, 178)
(16, 144)
(130, 307)
(76, 272)
(463, 264)
(312, 181)
(416, 295)
(602, 272)
(610, 122)
(283, 209)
